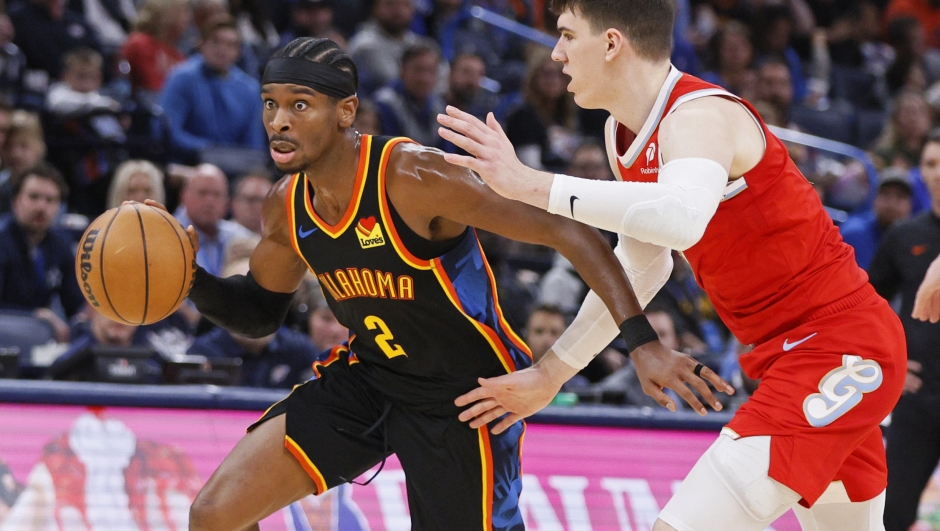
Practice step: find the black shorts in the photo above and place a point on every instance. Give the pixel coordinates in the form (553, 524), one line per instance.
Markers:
(457, 478)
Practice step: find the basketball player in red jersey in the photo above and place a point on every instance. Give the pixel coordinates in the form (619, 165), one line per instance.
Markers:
(700, 172)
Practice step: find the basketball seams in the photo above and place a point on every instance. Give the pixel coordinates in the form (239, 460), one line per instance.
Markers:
(104, 285)
(143, 236)
(186, 263)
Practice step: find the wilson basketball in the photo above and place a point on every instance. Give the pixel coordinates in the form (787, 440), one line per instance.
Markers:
(135, 264)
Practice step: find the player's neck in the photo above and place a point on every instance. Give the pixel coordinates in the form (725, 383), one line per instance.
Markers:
(633, 101)
(333, 175)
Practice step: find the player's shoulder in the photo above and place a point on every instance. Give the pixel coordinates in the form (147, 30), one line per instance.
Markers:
(422, 164)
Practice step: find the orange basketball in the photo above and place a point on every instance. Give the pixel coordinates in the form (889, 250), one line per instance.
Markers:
(135, 264)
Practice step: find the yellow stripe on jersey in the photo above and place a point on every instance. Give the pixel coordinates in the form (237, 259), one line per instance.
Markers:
(335, 231)
(307, 464)
(291, 196)
(486, 462)
(385, 211)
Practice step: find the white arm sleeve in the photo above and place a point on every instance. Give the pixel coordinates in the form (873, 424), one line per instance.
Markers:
(648, 267)
(672, 212)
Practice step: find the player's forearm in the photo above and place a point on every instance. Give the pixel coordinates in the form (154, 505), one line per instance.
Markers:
(239, 304)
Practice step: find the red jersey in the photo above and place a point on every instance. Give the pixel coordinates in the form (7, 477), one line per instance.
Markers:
(771, 258)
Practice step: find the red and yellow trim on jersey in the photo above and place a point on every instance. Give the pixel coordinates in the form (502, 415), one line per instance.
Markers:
(516, 340)
(385, 211)
(335, 231)
(335, 353)
(491, 337)
(289, 199)
(307, 464)
(486, 461)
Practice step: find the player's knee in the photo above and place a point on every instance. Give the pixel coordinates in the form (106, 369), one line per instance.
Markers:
(743, 465)
(205, 514)
(662, 526)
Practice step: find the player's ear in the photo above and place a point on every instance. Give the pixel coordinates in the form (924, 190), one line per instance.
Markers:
(615, 41)
(346, 111)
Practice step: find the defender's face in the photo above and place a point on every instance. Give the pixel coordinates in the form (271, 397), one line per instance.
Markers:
(583, 53)
(300, 123)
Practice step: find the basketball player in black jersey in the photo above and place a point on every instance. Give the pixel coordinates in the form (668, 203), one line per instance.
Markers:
(384, 224)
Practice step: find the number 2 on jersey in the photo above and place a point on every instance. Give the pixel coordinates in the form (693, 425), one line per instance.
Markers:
(384, 337)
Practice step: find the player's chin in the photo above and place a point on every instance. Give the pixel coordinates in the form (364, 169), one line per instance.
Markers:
(289, 168)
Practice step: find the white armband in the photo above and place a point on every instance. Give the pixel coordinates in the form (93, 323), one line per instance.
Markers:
(648, 267)
(672, 212)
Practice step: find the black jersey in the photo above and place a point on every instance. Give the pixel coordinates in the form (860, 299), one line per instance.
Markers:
(423, 316)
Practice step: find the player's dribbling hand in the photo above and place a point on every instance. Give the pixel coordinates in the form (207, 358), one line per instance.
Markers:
(193, 237)
(658, 367)
(494, 158)
(520, 394)
(927, 300)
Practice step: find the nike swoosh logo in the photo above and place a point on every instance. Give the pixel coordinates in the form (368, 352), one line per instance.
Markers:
(787, 347)
(304, 234)
(573, 199)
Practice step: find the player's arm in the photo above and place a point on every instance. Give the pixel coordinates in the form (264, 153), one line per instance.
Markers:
(442, 191)
(697, 144)
(256, 304)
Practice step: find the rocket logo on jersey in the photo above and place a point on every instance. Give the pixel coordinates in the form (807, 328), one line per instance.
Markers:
(650, 155)
(369, 233)
(841, 390)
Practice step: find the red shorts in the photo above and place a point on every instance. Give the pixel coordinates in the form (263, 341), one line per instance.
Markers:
(825, 386)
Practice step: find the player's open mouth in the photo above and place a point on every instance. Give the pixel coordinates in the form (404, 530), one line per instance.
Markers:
(282, 152)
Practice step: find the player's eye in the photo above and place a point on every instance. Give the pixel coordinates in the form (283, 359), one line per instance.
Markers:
(300, 105)
(269, 104)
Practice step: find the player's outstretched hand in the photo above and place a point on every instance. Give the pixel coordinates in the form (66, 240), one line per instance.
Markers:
(520, 394)
(494, 158)
(193, 237)
(927, 300)
(658, 367)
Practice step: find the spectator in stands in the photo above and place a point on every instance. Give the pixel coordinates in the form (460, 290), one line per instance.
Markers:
(775, 87)
(45, 31)
(136, 180)
(463, 86)
(210, 102)
(378, 46)
(203, 13)
(409, 107)
(913, 58)
(545, 325)
(733, 58)
(12, 64)
(280, 360)
(855, 39)
(892, 203)
(926, 12)
(902, 138)
(898, 267)
(78, 91)
(204, 202)
(151, 50)
(111, 20)
(101, 332)
(250, 191)
(773, 30)
(23, 148)
(543, 128)
(700, 329)
(37, 263)
(367, 118)
(310, 18)
(258, 36)
(324, 330)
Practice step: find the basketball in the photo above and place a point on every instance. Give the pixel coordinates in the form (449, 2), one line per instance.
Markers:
(135, 264)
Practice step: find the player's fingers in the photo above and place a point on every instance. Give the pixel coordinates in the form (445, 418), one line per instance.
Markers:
(461, 127)
(716, 380)
(935, 307)
(705, 392)
(494, 124)
(151, 202)
(686, 394)
(470, 163)
(470, 119)
(659, 396)
(487, 417)
(480, 408)
(467, 144)
(475, 395)
(506, 423)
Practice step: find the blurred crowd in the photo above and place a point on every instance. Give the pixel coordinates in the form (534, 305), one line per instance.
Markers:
(103, 101)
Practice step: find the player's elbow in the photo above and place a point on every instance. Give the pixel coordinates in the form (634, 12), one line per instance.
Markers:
(668, 222)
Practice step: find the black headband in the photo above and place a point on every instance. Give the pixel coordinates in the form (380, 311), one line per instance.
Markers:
(322, 78)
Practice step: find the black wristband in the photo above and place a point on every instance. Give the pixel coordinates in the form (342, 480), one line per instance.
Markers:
(636, 331)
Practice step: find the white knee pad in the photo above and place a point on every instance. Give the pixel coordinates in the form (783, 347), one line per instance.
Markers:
(729, 489)
(834, 511)
(742, 465)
